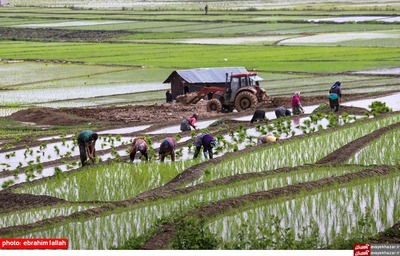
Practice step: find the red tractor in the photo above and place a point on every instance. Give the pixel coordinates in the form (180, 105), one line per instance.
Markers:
(241, 92)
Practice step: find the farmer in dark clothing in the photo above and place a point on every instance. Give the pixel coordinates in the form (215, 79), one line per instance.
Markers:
(167, 147)
(87, 146)
(139, 144)
(335, 96)
(259, 115)
(189, 122)
(168, 96)
(205, 140)
(281, 111)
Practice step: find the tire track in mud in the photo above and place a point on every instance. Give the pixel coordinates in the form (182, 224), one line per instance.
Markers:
(167, 233)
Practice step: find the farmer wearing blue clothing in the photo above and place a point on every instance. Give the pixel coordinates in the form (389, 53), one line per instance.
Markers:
(335, 96)
(207, 141)
(87, 146)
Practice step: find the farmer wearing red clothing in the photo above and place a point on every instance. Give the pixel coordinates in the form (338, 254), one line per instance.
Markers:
(296, 104)
(167, 147)
(189, 122)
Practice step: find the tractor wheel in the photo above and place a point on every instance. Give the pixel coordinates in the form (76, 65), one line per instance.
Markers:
(245, 100)
(214, 105)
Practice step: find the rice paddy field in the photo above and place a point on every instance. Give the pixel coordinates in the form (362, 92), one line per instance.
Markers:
(329, 183)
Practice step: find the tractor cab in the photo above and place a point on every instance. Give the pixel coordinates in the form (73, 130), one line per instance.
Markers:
(240, 82)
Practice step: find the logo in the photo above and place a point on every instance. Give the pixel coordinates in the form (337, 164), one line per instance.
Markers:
(362, 249)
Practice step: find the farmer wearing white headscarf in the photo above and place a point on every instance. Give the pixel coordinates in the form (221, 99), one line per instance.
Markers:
(139, 144)
(296, 104)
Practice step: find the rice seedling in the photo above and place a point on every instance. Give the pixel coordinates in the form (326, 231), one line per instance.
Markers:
(33, 215)
(137, 220)
(112, 182)
(295, 152)
(7, 183)
(385, 151)
(338, 210)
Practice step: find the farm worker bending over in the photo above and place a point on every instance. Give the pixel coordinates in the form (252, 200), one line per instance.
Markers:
(87, 146)
(189, 122)
(139, 144)
(296, 104)
(205, 140)
(259, 115)
(167, 147)
(335, 96)
(281, 111)
(266, 139)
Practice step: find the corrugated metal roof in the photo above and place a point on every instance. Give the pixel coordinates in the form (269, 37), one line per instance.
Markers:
(206, 75)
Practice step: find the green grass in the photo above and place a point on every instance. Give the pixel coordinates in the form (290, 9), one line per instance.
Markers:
(50, 73)
(304, 59)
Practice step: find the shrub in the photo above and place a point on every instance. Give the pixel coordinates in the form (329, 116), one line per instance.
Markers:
(191, 234)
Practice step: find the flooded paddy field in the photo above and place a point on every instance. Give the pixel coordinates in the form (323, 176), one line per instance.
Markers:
(103, 69)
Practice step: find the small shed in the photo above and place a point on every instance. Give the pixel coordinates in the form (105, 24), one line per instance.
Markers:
(192, 80)
(4, 3)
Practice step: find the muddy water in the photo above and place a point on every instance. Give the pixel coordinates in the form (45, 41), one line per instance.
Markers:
(47, 172)
(55, 137)
(176, 128)
(387, 71)
(233, 144)
(42, 95)
(53, 151)
(337, 37)
(392, 101)
(125, 130)
(9, 111)
(271, 114)
(356, 19)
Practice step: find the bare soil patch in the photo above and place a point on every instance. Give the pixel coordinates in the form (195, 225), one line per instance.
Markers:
(48, 116)
(51, 34)
(158, 113)
(12, 202)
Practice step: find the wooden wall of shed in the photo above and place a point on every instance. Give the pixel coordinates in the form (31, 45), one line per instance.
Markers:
(177, 86)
